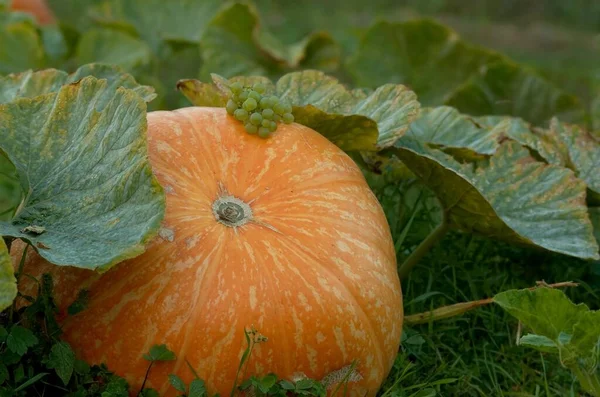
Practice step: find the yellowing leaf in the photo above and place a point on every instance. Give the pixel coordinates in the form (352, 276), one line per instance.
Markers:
(511, 197)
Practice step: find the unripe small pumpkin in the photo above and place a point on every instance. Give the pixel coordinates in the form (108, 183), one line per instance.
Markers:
(282, 234)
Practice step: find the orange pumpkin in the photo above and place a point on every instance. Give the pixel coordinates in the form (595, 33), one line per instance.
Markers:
(282, 234)
(38, 8)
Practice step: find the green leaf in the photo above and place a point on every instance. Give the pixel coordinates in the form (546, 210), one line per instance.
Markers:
(21, 48)
(350, 119)
(235, 43)
(197, 388)
(156, 21)
(55, 43)
(539, 342)
(446, 127)
(8, 282)
(173, 64)
(62, 360)
(160, 353)
(81, 367)
(177, 383)
(76, 14)
(574, 329)
(524, 133)
(10, 188)
(112, 47)
(547, 311)
(424, 55)
(30, 84)
(504, 88)
(267, 382)
(562, 144)
(586, 335)
(20, 339)
(31, 381)
(511, 197)
(82, 159)
(149, 393)
(4, 375)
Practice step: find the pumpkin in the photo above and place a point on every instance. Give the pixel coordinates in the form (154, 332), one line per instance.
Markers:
(38, 8)
(280, 234)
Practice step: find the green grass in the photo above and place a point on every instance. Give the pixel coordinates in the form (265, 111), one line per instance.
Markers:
(474, 354)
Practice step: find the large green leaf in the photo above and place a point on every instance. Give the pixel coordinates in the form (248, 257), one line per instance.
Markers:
(30, 84)
(8, 283)
(112, 47)
(446, 127)
(424, 55)
(20, 48)
(10, 189)
(505, 88)
(157, 21)
(235, 43)
(91, 199)
(76, 14)
(571, 330)
(353, 120)
(511, 197)
(545, 311)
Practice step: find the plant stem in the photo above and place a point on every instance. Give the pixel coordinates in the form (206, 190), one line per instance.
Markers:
(17, 278)
(145, 378)
(435, 236)
(461, 308)
(589, 382)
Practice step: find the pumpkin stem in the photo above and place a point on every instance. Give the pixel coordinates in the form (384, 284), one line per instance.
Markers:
(231, 211)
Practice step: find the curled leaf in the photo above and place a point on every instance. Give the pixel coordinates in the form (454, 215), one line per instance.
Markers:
(511, 197)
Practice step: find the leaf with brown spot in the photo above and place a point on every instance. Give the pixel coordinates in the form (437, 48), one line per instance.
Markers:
(511, 197)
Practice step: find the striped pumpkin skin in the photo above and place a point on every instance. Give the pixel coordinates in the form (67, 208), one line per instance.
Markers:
(314, 270)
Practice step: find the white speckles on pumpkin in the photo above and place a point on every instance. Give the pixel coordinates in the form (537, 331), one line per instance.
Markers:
(252, 296)
(315, 271)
